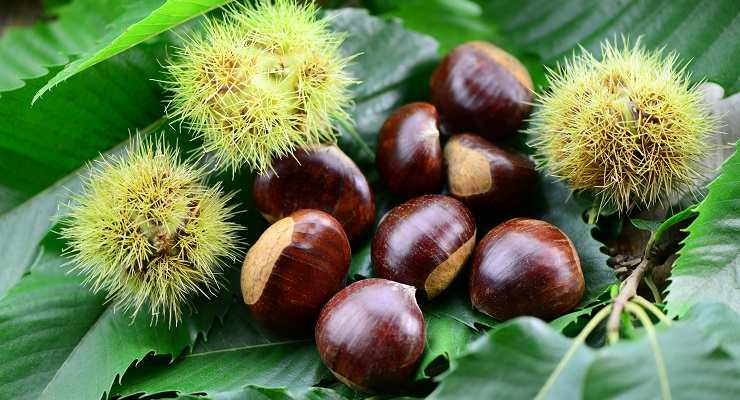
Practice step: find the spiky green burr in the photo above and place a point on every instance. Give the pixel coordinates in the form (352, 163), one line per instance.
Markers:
(147, 230)
(629, 126)
(260, 83)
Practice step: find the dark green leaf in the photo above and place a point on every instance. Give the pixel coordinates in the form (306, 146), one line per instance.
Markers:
(451, 22)
(525, 358)
(138, 22)
(60, 341)
(236, 355)
(262, 393)
(28, 52)
(513, 362)
(704, 32)
(708, 265)
(88, 115)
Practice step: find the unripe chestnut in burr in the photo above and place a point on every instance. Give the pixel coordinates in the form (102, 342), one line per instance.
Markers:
(371, 335)
(424, 242)
(481, 88)
(409, 154)
(321, 178)
(526, 267)
(293, 269)
(484, 175)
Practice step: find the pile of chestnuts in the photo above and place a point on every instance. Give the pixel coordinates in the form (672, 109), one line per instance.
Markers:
(372, 334)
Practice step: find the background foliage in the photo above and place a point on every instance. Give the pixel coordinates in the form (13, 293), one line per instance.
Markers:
(79, 82)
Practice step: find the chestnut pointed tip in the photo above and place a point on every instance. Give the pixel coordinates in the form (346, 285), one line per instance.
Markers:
(481, 88)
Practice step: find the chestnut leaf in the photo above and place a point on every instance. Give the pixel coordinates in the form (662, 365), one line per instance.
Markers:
(708, 265)
(525, 358)
(138, 22)
(236, 355)
(704, 32)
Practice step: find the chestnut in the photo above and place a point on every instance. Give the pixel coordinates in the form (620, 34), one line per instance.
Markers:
(293, 269)
(481, 88)
(483, 175)
(371, 335)
(424, 242)
(320, 177)
(409, 154)
(526, 267)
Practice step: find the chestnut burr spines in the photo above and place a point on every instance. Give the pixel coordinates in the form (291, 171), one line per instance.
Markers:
(371, 335)
(526, 267)
(484, 175)
(409, 154)
(424, 242)
(481, 88)
(322, 178)
(294, 268)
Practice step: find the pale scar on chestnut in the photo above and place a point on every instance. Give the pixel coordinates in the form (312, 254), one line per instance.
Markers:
(468, 172)
(262, 256)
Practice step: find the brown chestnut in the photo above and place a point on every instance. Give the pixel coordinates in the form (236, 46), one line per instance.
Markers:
(526, 267)
(409, 154)
(322, 178)
(371, 335)
(481, 88)
(483, 175)
(424, 242)
(293, 269)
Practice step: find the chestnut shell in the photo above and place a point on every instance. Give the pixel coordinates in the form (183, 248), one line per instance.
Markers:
(483, 175)
(481, 88)
(321, 178)
(526, 267)
(424, 242)
(371, 335)
(293, 269)
(409, 154)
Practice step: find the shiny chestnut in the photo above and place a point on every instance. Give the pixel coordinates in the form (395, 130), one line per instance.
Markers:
(526, 267)
(293, 269)
(484, 175)
(322, 178)
(371, 335)
(409, 154)
(424, 242)
(481, 88)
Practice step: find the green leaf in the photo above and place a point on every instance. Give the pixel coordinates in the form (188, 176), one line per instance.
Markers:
(262, 393)
(646, 224)
(452, 324)
(708, 265)
(28, 52)
(90, 114)
(513, 362)
(700, 356)
(704, 32)
(525, 358)
(60, 341)
(41, 321)
(451, 22)
(22, 229)
(658, 228)
(237, 355)
(140, 21)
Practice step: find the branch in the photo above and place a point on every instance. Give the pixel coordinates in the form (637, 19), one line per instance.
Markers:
(626, 292)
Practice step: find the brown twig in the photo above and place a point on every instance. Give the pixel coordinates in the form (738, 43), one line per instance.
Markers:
(626, 292)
